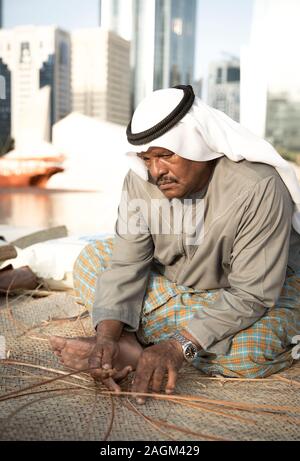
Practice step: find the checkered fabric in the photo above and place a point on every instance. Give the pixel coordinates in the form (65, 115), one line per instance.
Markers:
(258, 351)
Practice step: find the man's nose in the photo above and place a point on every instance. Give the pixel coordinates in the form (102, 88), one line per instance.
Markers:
(158, 167)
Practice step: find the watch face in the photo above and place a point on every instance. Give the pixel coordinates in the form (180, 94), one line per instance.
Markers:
(190, 352)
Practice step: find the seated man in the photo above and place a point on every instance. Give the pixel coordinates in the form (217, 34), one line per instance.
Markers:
(205, 263)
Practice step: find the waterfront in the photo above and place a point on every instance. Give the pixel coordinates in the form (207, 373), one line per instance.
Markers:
(82, 212)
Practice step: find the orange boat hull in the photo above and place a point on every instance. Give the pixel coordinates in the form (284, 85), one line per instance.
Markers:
(38, 179)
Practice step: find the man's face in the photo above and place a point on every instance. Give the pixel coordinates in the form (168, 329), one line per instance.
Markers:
(175, 176)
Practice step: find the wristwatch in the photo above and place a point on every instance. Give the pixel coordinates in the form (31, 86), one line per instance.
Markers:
(189, 349)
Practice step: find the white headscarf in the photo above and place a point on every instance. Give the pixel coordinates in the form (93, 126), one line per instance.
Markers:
(204, 134)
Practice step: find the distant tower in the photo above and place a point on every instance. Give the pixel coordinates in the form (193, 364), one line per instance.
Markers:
(164, 33)
(270, 84)
(1, 14)
(101, 75)
(116, 16)
(32, 58)
(224, 87)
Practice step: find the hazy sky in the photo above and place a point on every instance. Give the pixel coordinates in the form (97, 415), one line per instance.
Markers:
(223, 25)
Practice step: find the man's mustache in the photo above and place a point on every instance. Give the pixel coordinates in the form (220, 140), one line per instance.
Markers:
(165, 180)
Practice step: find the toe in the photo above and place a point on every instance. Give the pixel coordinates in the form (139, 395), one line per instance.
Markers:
(57, 342)
(57, 353)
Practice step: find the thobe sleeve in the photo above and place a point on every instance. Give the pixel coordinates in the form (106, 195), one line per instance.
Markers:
(257, 268)
(121, 288)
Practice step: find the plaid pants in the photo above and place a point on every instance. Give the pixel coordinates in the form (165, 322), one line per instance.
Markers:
(258, 351)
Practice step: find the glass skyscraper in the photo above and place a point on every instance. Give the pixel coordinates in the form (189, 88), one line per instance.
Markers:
(116, 15)
(174, 47)
(270, 77)
(164, 33)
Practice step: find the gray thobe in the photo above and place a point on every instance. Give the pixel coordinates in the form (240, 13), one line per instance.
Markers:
(244, 248)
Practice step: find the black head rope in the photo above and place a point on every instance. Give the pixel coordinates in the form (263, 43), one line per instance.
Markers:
(144, 137)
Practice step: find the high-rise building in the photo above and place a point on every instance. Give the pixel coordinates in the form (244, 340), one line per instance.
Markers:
(224, 87)
(270, 74)
(283, 121)
(4, 98)
(198, 87)
(31, 58)
(163, 45)
(101, 75)
(116, 15)
(1, 13)
(162, 34)
(5, 105)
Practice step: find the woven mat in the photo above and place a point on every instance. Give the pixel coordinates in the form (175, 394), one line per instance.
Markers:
(84, 412)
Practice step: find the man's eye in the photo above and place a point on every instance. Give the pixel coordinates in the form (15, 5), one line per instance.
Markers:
(166, 155)
(163, 156)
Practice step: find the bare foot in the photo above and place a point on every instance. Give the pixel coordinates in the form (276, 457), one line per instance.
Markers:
(74, 352)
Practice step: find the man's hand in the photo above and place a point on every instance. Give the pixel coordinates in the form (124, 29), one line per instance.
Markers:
(102, 358)
(104, 355)
(165, 358)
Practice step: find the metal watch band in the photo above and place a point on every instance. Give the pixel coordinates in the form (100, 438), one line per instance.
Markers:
(180, 338)
(185, 343)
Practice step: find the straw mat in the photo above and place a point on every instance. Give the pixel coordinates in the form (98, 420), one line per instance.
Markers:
(77, 409)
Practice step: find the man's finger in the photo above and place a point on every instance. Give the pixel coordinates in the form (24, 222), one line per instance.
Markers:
(157, 379)
(96, 363)
(111, 385)
(107, 359)
(172, 378)
(141, 381)
(121, 374)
